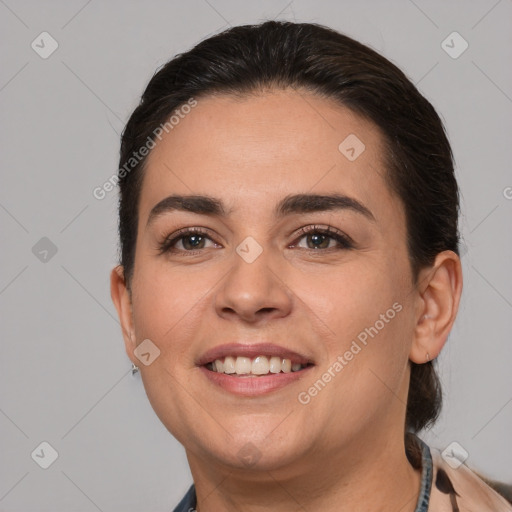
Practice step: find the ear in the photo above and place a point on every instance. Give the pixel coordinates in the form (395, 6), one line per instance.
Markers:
(440, 288)
(121, 297)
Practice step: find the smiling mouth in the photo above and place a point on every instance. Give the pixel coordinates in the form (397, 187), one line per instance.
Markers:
(259, 366)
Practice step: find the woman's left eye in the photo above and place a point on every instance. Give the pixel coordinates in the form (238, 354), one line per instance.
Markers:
(319, 236)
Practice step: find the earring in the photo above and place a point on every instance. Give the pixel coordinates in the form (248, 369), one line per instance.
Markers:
(428, 357)
(135, 369)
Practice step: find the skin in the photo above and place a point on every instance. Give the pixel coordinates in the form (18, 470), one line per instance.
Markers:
(340, 447)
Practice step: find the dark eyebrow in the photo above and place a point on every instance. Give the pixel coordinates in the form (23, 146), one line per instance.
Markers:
(305, 203)
(292, 204)
(203, 205)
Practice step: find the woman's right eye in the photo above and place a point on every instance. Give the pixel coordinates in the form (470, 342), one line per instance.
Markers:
(192, 241)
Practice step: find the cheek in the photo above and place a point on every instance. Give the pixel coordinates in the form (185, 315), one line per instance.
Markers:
(370, 316)
(353, 301)
(168, 305)
(369, 361)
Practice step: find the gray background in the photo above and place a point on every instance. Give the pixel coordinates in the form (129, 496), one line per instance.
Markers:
(64, 375)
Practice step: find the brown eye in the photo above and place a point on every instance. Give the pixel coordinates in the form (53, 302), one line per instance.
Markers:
(318, 241)
(191, 240)
(321, 238)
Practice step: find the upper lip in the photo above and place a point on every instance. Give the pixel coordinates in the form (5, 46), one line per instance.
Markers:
(251, 351)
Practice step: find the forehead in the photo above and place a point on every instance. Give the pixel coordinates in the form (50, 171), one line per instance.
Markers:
(253, 150)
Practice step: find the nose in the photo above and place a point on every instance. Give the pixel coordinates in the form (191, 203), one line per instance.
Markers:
(253, 292)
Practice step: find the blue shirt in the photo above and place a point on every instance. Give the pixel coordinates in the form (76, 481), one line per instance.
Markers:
(189, 501)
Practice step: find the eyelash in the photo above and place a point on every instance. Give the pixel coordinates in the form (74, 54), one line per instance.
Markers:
(344, 241)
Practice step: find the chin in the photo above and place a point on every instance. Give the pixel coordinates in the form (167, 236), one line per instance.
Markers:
(256, 449)
(253, 457)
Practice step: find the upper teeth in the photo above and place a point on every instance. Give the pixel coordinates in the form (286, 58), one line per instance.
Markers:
(260, 365)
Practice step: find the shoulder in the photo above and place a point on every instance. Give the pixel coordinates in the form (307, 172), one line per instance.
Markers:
(458, 488)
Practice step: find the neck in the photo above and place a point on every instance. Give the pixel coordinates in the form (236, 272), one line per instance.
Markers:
(374, 473)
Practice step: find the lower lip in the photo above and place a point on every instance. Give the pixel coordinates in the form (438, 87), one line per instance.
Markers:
(254, 386)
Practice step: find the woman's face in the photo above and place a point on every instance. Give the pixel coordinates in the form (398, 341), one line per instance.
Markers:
(346, 309)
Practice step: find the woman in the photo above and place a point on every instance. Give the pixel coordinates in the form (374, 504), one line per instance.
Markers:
(289, 272)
